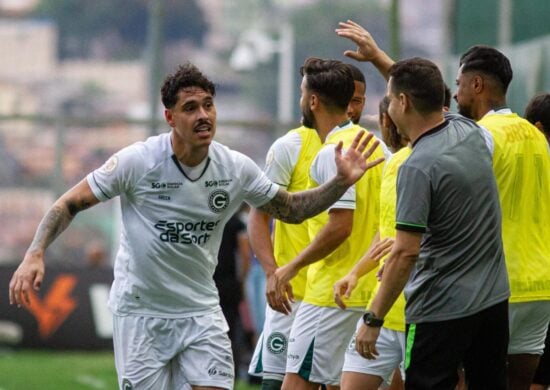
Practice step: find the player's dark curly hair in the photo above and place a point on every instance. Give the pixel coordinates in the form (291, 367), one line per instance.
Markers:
(187, 75)
(489, 61)
(421, 80)
(331, 80)
(538, 110)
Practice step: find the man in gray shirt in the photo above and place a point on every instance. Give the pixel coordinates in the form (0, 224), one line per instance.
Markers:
(448, 248)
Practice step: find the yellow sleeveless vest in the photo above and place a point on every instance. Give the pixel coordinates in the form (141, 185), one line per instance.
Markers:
(395, 319)
(291, 239)
(323, 274)
(521, 164)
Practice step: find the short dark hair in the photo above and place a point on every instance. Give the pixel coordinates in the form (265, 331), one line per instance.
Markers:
(187, 75)
(331, 80)
(421, 80)
(489, 61)
(395, 139)
(357, 74)
(538, 110)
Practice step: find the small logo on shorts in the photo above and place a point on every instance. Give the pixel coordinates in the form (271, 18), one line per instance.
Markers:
(218, 200)
(213, 371)
(127, 385)
(276, 343)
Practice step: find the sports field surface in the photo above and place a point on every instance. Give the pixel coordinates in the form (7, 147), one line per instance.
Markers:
(50, 370)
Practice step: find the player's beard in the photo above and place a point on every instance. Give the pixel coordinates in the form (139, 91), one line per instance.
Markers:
(464, 111)
(308, 120)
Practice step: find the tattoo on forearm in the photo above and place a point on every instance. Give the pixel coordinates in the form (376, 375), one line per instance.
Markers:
(296, 207)
(55, 222)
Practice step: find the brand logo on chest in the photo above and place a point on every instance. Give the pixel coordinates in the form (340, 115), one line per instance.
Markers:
(218, 200)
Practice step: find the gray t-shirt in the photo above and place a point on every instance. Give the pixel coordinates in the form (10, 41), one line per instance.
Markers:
(446, 190)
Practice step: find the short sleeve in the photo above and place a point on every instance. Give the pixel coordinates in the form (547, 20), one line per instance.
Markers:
(282, 157)
(323, 169)
(118, 174)
(257, 186)
(413, 199)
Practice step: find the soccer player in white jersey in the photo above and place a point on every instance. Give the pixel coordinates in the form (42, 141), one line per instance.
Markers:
(177, 190)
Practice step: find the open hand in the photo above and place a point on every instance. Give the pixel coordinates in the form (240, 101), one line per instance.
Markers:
(352, 165)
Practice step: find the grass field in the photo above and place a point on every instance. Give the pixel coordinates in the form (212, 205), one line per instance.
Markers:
(50, 370)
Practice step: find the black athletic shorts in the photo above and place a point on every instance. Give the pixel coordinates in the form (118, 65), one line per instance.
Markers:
(435, 350)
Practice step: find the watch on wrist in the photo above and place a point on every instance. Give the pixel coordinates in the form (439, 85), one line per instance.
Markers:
(369, 318)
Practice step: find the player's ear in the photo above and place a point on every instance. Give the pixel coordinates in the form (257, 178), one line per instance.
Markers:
(169, 117)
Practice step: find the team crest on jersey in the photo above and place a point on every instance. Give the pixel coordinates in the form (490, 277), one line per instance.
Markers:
(110, 165)
(218, 200)
(276, 343)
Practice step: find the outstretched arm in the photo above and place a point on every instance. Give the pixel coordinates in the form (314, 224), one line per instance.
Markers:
(351, 166)
(370, 260)
(328, 239)
(260, 239)
(398, 268)
(30, 272)
(367, 49)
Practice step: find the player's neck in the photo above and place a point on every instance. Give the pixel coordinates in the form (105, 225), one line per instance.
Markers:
(487, 104)
(327, 122)
(422, 124)
(188, 155)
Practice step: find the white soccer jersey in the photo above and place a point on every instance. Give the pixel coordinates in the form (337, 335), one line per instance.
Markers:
(281, 158)
(172, 226)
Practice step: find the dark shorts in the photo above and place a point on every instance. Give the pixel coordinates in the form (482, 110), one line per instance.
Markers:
(542, 376)
(435, 351)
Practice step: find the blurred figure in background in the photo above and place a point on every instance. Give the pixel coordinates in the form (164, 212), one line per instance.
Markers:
(231, 271)
(538, 113)
(96, 255)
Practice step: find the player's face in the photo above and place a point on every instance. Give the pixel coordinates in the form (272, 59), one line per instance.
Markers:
(193, 117)
(308, 120)
(357, 103)
(464, 95)
(394, 108)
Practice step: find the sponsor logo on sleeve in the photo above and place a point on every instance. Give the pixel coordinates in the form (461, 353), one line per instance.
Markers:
(110, 165)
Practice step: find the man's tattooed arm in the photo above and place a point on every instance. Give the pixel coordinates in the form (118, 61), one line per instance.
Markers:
(298, 206)
(30, 273)
(351, 166)
(61, 214)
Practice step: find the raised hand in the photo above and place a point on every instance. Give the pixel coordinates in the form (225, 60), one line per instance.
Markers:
(353, 164)
(367, 49)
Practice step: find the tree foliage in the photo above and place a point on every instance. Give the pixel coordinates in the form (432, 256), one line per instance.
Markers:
(118, 29)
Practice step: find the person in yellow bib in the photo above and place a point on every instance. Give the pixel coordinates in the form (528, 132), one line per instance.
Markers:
(521, 164)
(359, 373)
(538, 113)
(287, 164)
(320, 331)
